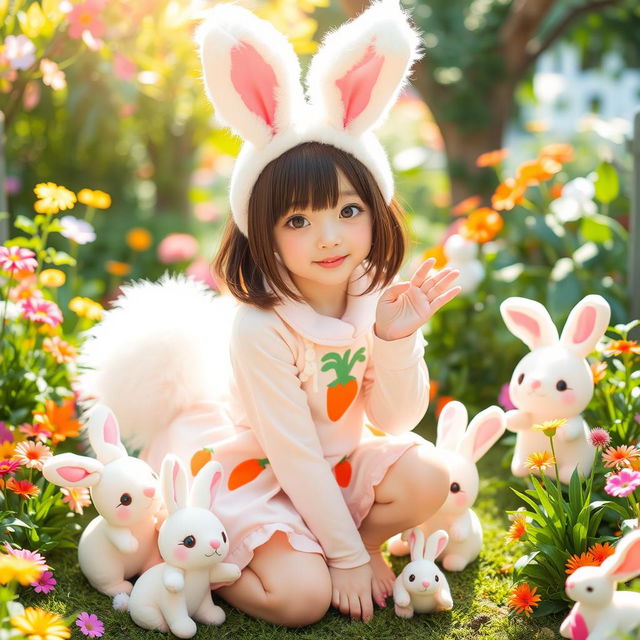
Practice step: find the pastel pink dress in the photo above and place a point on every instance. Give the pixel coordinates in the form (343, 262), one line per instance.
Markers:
(292, 438)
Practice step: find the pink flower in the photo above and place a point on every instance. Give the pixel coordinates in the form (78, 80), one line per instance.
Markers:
(13, 185)
(177, 247)
(76, 497)
(45, 583)
(599, 437)
(20, 51)
(39, 310)
(85, 17)
(124, 68)
(52, 75)
(90, 625)
(6, 435)
(504, 399)
(31, 556)
(14, 259)
(8, 466)
(32, 454)
(78, 231)
(622, 484)
(201, 270)
(31, 96)
(36, 431)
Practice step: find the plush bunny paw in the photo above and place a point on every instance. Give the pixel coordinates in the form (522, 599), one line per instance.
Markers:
(404, 612)
(184, 628)
(454, 563)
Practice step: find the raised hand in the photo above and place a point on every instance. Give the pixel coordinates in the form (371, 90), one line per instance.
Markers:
(406, 306)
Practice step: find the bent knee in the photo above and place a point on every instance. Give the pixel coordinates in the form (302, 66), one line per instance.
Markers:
(304, 601)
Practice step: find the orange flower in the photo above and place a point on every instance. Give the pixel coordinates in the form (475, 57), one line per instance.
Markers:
(466, 206)
(560, 152)
(442, 401)
(139, 239)
(434, 386)
(583, 560)
(508, 194)
(23, 488)
(491, 158)
(518, 527)
(601, 552)
(523, 599)
(540, 460)
(621, 456)
(598, 371)
(536, 171)
(59, 420)
(438, 254)
(98, 199)
(620, 347)
(60, 350)
(482, 225)
(116, 268)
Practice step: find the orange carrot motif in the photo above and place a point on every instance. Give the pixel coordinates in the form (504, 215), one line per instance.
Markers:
(200, 458)
(246, 471)
(343, 390)
(343, 472)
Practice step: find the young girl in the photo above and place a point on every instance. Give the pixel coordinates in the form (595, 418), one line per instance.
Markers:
(323, 340)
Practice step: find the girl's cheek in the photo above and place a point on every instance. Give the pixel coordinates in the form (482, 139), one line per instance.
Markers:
(123, 513)
(180, 553)
(569, 397)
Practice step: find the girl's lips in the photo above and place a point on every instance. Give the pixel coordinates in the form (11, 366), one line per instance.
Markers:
(332, 263)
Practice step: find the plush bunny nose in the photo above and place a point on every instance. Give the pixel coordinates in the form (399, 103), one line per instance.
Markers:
(536, 384)
(149, 492)
(214, 544)
(425, 584)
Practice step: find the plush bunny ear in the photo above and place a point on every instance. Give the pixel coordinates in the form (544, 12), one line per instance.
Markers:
(483, 432)
(586, 324)
(451, 425)
(435, 544)
(529, 321)
(205, 486)
(104, 434)
(251, 73)
(173, 480)
(415, 540)
(624, 564)
(358, 72)
(71, 470)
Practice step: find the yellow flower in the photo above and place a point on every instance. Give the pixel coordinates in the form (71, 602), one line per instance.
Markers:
(20, 569)
(550, 427)
(540, 460)
(7, 450)
(116, 268)
(86, 308)
(53, 198)
(53, 278)
(38, 624)
(139, 239)
(97, 199)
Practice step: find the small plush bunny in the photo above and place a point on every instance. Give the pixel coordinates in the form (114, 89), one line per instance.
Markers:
(601, 612)
(461, 450)
(422, 587)
(193, 544)
(554, 380)
(462, 254)
(122, 541)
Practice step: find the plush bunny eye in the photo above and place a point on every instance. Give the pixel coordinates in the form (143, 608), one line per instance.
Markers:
(455, 487)
(520, 378)
(412, 578)
(189, 542)
(224, 537)
(125, 500)
(437, 578)
(589, 589)
(561, 385)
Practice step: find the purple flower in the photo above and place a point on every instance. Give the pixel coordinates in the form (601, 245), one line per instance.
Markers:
(622, 484)
(504, 399)
(90, 624)
(78, 231)
(6, 435)
(45, 583)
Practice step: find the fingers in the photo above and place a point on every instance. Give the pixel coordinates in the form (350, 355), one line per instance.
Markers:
(393, 292)
(443, 298)
(439, 284)
(421, 272)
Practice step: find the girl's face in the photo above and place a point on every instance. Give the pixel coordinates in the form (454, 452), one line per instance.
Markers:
(324, 247)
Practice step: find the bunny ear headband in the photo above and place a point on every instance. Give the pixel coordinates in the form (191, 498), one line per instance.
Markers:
(252, 77)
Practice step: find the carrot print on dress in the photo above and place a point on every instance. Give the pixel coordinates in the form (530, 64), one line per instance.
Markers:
(343, 390)
(246, 471)
(200, 458)
(343, 472)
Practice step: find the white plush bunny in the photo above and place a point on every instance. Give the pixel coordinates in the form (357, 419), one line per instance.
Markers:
(461, 450)
(462, 254)
(193, 544)
(601, 612)
(554, 380)
(422, 587)
(121, 542)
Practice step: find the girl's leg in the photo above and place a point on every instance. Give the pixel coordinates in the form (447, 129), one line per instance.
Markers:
(413, 489)
(282, 585)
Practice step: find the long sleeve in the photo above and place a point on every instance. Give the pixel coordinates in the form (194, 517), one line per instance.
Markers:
(396, 384)
(278, 413)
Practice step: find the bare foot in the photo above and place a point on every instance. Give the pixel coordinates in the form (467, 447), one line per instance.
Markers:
(383, 578)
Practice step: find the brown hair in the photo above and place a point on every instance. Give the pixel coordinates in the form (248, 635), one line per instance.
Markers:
(302, 177)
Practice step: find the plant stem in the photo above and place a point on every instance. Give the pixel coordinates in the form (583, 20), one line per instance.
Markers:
(558, 485)
(4, 310)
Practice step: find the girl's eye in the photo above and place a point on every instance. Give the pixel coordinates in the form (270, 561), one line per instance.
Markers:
(297, 222)
(125, 500)
(351, 211)
(189, 542)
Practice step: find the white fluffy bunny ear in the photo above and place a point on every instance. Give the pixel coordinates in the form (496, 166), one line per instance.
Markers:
(358, 72)
(251, 73)
(529, 321)
(104, 434)
(205, 485)
(173, 480)
(483, 432)
(415, 540)
(71, 470)
(435, 544)
(451, 425)
(586, 324)
(624, 564)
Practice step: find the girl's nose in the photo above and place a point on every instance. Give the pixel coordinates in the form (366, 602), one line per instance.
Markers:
(425, 584)
(149, 492)
(214, 544)
(329, 236)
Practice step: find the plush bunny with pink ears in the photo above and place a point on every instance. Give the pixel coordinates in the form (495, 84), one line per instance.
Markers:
(554, 380)
(122, 541)
(252, 77)
(601, 612)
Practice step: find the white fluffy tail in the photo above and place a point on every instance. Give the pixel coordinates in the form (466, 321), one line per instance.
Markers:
(163, 348)
(121, 601)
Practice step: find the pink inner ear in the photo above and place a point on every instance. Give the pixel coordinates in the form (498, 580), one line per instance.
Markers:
(441, 545)
(484, 434)
(213, 487)
(412, 541)
(110, 430)
(585, 325)
(526, 322)
(176, 468)
(357, 84)
(631, 563)
(255, 81)
(73, 474)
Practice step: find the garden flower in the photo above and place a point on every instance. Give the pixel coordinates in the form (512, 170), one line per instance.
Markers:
(561, 152)
(177, 247)
(85, 17)
(437, 253)
(442, 401)
(36, 431)
(598, 371)
(19, 51)
(58, 420)
(504, 399)
(52, 75)
(14, 259)
(622, 484)
(620, 347)
(26, 554)
(23, 570)
(90, 625)
(119, 269)
(96, 199)
(536, 171)
(38, 624)
(541, 460)
(523, 599)
(32, 455)
(23, 488)
(576, 201)
(53, 278)
(78, 231)
(508, 194)
(491, 158)
(86, 308)
(599, 438)
(466, 206)
(76, 497)
(139, 239)
(8, 466)
(200, 269)
(26, 288)
(482, 225)
(6, 435)
(619, 456)
(550, 427)
(53, 198)
(576, 561)
(601, 552)
(60, 350)
(45, 583)
(41, 310)
(518, 527)
(6, 450)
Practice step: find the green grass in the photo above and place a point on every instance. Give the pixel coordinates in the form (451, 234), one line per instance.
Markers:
(479, 593)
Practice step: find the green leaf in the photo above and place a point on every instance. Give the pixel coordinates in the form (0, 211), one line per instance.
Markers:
(579, 535)
(63, 258)
(25, 224)
(607, 183)
(595, 229)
